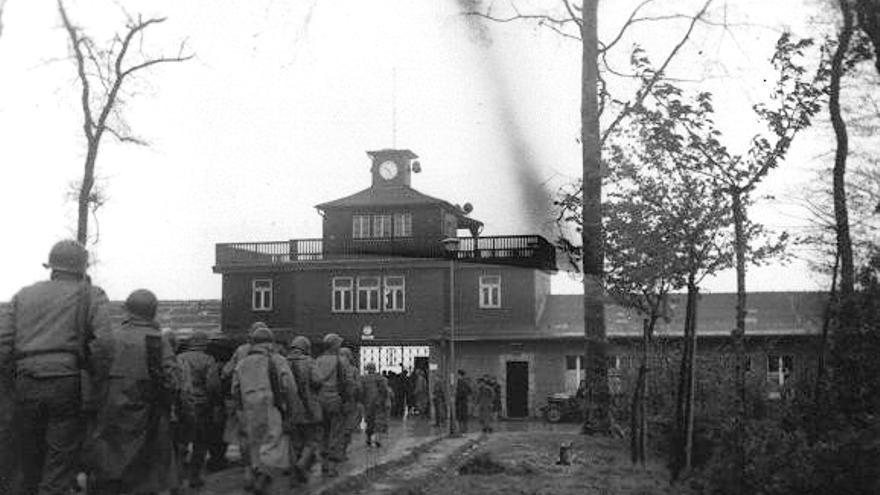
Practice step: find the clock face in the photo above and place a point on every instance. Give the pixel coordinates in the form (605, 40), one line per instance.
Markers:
(388, 170)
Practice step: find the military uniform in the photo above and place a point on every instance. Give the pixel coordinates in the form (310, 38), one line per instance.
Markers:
(204, 389)
(485, 401)
(463, 391)
(374, 394)
(54, 339)
(351, 400)
(132, 449)
(266, 395)
(440, 411)
(331, 378)
(304, 424)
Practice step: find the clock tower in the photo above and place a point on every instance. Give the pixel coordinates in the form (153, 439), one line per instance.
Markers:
(392, 167)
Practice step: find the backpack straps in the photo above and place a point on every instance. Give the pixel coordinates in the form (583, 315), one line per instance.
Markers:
(277, 393)
(82, 325)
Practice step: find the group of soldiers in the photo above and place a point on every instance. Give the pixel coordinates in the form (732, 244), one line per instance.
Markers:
(118, 403)
(482, 398)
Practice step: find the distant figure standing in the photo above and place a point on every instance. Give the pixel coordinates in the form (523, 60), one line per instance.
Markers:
(132, 446)
(420, 392)
(485, 401)
(439, 396)
(55, 341)
(496, 404)
(463, 392)
(374, 391)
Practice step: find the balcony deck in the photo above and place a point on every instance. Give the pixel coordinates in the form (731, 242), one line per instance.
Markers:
(531, 251)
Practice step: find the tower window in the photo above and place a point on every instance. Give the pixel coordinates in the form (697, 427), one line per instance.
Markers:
(360, 226)
(382, 226)
(261, 299)
(403, 225)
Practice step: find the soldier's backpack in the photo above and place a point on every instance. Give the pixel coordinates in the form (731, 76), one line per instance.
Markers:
(258, 382)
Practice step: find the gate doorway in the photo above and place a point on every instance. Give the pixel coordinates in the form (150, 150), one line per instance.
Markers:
(517, 389)
(394, 358)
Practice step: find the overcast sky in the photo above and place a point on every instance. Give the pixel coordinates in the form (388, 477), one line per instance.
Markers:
(275, 112)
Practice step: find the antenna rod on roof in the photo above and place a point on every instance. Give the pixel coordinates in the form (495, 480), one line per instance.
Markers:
(394, 107)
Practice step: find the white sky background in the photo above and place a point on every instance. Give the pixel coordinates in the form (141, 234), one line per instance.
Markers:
(274, 115)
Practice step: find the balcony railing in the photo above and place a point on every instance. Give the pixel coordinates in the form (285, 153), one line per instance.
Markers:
(522, 250)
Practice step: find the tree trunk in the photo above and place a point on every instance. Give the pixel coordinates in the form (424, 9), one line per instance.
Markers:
(638, 421)
(739, 333)
(841, 216)
(684, 385)
(830, 310)
(598, 417)
(691, 335)
(85, 192)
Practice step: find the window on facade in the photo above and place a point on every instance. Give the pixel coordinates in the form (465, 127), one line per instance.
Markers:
(360, 226)
(779, 370)
(395, 293)
(403, 225)
(490, 291)
(368, 294)
(261, 299)
(382, 226)
(343, 294)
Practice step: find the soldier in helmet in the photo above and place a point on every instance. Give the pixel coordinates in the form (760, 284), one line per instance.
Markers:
(332, 387)
(351, 399)
(305, 424)
(132, 446)
(55, 343)
(204, 387)
(266, 396)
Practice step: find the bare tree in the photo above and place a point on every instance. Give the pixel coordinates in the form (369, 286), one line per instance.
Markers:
(580, 22)
(102, 73)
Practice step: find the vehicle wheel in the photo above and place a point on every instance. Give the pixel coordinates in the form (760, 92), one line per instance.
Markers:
(553, 414)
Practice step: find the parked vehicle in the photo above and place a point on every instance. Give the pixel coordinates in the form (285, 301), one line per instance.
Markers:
(562, 407)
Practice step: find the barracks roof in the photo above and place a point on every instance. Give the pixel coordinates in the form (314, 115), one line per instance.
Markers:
(768, 314)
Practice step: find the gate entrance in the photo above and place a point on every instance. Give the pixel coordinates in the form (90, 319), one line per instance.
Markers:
(395, 358)
(517, 389)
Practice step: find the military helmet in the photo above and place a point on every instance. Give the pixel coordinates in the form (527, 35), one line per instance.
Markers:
(198, 341)
(301, 343)
(68, 256)
(370, 367)
(262, 334)
(332, 340)
(142, 303)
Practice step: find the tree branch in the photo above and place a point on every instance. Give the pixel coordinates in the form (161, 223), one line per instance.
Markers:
(643, 92)
(629, 22)
(75, 41)
(124, 138)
